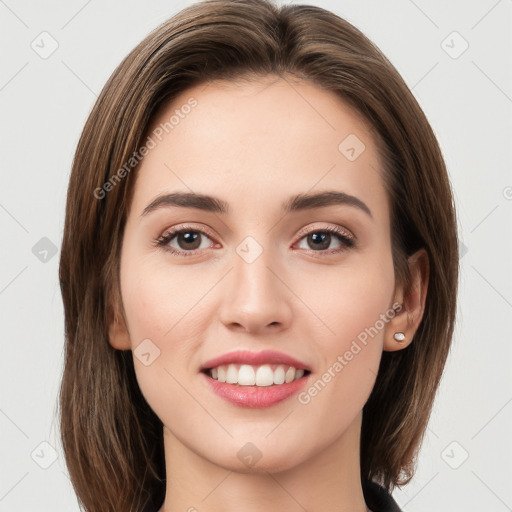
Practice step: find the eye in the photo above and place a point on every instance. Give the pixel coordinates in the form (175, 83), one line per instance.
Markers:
(184, 241)
(320, 240)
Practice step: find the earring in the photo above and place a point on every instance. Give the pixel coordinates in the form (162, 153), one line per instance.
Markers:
(399, 336)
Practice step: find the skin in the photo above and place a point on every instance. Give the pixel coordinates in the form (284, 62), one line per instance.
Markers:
(275, 138)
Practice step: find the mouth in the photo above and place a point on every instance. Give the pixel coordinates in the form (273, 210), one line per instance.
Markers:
(255, 379)
(264, 375)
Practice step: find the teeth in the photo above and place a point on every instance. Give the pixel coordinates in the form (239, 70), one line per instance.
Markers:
(279, 375)
(264, 376)
(231, 375)
(248, 375)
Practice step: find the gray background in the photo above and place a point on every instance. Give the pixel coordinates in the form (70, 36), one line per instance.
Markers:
(465, 462)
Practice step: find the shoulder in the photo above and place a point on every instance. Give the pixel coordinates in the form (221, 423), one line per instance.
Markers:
(378, 498)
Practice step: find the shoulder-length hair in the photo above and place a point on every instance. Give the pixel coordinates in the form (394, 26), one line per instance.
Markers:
(112, 440)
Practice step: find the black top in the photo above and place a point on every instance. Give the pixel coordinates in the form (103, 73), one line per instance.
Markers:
(376, 497)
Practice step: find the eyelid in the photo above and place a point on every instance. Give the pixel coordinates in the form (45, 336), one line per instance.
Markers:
(191, 227)
(330, 228)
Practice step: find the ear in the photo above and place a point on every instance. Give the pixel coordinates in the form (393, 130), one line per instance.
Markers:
(408, 318)
(118, 335)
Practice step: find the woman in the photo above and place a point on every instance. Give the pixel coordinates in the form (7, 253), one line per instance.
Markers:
(259, 270)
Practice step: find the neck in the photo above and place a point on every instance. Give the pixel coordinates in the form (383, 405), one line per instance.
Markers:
(328, 481)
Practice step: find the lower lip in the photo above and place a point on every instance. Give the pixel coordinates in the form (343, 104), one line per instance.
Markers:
(255, 396)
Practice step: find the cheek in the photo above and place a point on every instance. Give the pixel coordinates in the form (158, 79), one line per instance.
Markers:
(166, 319)
(352, 305)
(345, 300)
(159, 300)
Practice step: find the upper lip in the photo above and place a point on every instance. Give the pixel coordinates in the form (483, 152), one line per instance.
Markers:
(255, 358)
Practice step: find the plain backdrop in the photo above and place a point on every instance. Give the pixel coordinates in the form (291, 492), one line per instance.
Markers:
(55, 58)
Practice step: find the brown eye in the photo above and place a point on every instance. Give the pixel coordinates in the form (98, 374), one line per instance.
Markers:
(319, 241)
(185, 241)
(188, 240)
(328, 239)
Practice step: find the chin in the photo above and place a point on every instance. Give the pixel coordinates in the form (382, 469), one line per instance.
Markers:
(258, 457)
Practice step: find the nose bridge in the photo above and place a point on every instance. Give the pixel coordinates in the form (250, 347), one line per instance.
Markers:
(256, 297)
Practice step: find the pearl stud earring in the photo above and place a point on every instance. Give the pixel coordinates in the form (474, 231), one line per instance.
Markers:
(399, 336)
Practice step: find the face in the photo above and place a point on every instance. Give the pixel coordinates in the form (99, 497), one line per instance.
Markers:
(258, 274)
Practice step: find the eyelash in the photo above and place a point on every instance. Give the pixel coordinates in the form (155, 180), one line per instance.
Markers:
(347, 241)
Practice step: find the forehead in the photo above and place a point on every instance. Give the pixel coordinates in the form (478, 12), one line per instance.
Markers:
(268, 138)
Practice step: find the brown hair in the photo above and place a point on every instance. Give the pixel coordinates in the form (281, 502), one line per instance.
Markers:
(113, 441)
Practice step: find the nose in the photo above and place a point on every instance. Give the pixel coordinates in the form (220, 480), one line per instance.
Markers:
(256, 298)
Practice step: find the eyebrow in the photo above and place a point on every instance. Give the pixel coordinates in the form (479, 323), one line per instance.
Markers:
(296, 203)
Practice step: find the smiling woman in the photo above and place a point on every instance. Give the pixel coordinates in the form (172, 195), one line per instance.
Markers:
(258, 316)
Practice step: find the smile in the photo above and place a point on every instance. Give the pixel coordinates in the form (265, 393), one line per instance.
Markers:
(252, 375)
(255, 379)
